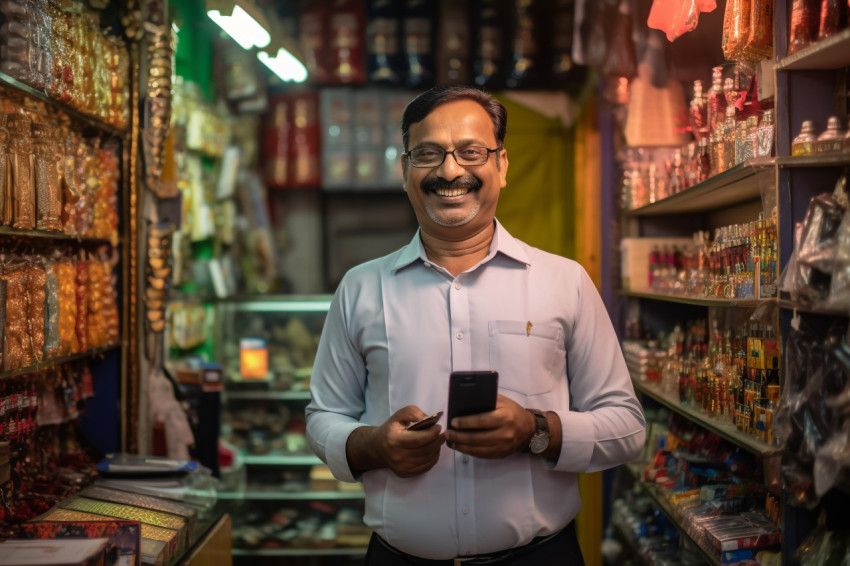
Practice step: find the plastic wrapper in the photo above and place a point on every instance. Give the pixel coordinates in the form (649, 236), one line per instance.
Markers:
(759, 38)
(621, 60)
(51, 319)
(48, 178)
(823, 547)
(21, 176)
(736, 25)
(66, 320)
(82, 300)
(677, 17)
(804, 24)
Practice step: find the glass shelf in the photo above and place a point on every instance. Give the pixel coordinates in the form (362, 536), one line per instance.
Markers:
(278, 495)
(748, 179)
(727, 431)
(90, 121)
(282, 460)
(729, 303)
(265, 395)
(826, 54)
(57, 361)
(305, 551)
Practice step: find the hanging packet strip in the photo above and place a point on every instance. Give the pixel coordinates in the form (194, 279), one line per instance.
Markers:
(677, 17)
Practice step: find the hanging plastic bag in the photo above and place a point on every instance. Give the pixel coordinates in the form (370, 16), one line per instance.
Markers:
(621, 60)
(677, 17)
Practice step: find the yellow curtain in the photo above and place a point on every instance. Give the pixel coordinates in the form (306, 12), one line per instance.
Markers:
(552, 201)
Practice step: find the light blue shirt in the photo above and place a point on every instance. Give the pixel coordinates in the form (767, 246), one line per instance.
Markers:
(399, 325)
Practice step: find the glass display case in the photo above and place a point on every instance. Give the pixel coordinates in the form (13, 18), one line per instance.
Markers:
(286, 501)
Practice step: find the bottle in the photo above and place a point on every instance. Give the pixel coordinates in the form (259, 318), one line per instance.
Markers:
(831, 140)
(703, 160)
(716, 101)
(698, 112)
(729, 132)
(804, 143)
(804, 25)
(751, 139)
(764, 136)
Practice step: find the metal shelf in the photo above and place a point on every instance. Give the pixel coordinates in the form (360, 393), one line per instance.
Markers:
(728, 303)
(827, 54)
(748, 179)
(58, 361)
(90, 121)
(727, 431)
(269, 495)
(266, 395)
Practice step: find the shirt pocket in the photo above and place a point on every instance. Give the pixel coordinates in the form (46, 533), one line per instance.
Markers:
(529, 357)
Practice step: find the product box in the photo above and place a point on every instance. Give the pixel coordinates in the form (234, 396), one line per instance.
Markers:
(124, 536)
(76, 552)
(634, 260)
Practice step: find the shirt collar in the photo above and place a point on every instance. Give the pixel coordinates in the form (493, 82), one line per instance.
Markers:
(502, 243)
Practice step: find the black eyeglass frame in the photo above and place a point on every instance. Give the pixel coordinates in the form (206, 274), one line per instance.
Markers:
(408, 155)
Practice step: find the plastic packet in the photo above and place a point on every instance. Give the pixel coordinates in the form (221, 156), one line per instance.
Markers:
(677, 17)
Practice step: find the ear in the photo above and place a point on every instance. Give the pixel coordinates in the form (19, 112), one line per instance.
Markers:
(503, 168)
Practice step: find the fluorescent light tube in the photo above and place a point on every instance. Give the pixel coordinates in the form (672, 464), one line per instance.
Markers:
(284, 65)
(244, 29)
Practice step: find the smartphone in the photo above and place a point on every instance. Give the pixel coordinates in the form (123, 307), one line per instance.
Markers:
(427, 422)
(472, 392)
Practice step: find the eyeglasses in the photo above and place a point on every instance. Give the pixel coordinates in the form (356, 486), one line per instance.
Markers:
(468, 156)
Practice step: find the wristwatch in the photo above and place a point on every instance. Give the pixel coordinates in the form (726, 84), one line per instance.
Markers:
(539, 441)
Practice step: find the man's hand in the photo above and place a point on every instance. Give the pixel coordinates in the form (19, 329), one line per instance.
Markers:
(495, 434)
(407, 453)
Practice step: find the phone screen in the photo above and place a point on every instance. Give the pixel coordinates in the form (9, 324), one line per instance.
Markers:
(472, 392)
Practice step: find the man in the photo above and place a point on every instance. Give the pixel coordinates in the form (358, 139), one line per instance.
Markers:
(500, 487)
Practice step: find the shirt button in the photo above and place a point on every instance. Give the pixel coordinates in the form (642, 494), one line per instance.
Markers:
(465, 510)
(457, 285)
(460, 336)
(465, 459)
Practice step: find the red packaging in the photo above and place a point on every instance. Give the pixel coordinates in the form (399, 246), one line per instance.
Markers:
(346, 37)
(304, 168)
(276, 132)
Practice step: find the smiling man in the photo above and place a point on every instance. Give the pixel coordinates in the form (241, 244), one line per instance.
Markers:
(500, 487)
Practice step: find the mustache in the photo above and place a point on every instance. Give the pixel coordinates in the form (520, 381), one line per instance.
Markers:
(435, 183)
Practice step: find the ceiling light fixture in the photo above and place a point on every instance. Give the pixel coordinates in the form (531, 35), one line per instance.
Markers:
(285, 65)
(245, 22)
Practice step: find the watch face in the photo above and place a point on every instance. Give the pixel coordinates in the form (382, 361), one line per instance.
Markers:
(539, 442)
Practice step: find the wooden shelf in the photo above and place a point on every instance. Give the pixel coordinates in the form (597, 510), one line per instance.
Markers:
(827, 54)
(57, 361)
(748, 179)
(90, 121)
(54, 237)
(727, 431)
(704, 302)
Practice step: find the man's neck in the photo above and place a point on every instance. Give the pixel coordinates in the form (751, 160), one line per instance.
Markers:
(458, 256)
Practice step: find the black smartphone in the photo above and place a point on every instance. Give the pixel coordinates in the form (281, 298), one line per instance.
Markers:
(472, 392)
(427, 422)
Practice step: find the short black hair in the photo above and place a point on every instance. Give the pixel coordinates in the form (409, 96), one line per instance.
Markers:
(418, 108)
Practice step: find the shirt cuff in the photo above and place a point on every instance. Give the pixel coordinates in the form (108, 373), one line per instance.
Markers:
(337, 460)
(577, 441)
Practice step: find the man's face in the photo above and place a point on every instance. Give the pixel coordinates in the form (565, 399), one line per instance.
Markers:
(452, 201)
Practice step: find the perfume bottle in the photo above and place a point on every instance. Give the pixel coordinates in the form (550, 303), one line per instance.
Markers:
(750, 138)
(831, 140)
(804, 143)
(698, 112)
(804, 25)
(764, 135)
(703, 161)
(729, 134)
(716, 101)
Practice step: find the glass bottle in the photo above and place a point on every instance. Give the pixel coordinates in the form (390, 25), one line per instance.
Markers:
(729, 131)
(716, 101)
(831, 140)
(741, 141)
(703, 160)
(764, 135)
(751, 138)
(677, 175)
(804, 143)
(804, 25)
(698, 112)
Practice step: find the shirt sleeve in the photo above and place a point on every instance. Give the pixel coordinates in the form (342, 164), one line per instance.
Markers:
(604, 425)
(337, 390)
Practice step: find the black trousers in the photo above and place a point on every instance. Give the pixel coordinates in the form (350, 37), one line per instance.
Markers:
(560, 550)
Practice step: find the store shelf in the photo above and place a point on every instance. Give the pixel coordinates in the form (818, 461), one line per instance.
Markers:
(817, 160)
(664, 506)
(54, 237)
(827, 54)
(91, 121)
(823, 311)
(274, 303)
(265, 395)
(57, 361)
(727, 431)
(748, 179)
(305, 551)
(278, 495)
(704, 302)
(282, 460)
